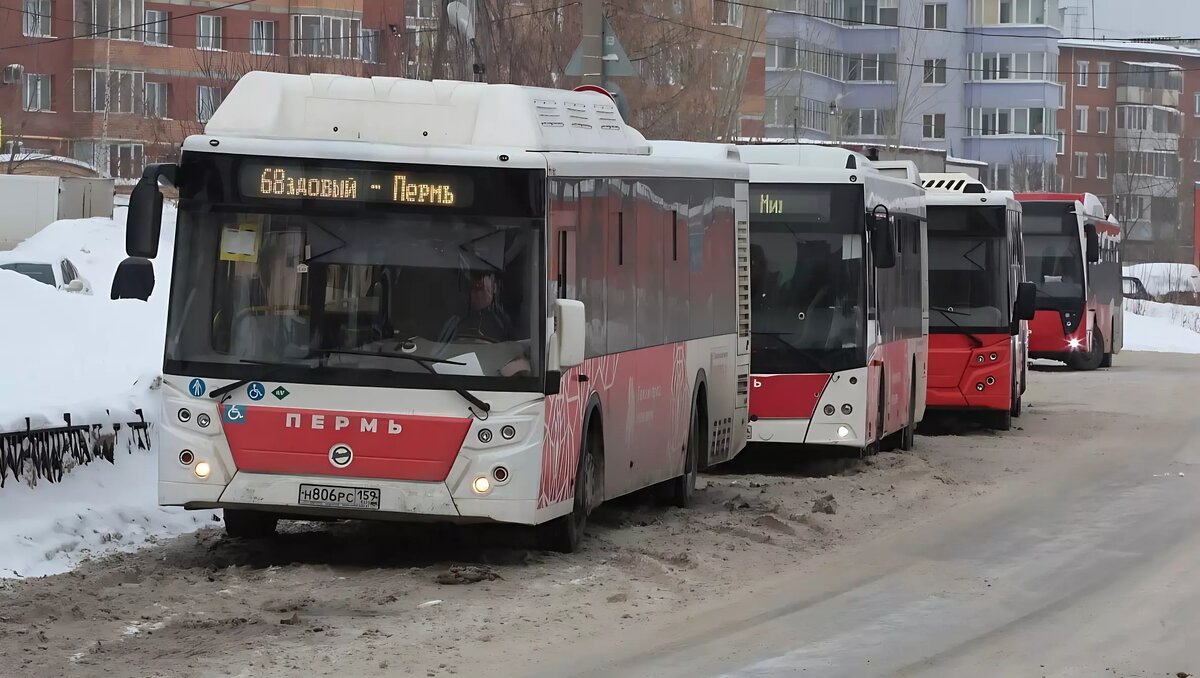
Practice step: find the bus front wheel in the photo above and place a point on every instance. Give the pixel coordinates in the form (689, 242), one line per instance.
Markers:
(1091, 359)
(564, 534)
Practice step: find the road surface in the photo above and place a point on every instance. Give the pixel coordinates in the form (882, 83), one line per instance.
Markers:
(1065, 547)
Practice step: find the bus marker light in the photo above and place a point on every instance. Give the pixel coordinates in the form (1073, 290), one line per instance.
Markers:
(843, 431)
(500, 474)
(829, 410)
(185, 415)
(485, 435)
(508, 432)
(481, 485)
(202, 470)
(186, 457)
(993, 356)
(203, 420)
(846, 408)
(991, 380)
(979, 359)
(979, 386)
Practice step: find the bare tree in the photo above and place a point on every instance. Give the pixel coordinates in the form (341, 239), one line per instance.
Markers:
(1147, 184)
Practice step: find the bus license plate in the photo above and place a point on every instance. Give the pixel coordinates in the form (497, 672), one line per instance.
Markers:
(339, 497)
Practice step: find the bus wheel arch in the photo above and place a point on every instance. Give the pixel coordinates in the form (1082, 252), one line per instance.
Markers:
(565, 533)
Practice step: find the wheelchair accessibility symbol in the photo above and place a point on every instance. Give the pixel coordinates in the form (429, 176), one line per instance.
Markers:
(255, 391)
(234, 414)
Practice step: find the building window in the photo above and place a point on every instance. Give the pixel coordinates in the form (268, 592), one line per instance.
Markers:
(207, 100)
(1195, 150)
(156, 100)
(115, 91)
(867, 122)
(1102, 70)
(1102, 120)
(262, 37)
(992, 12)
(37, 92)
(209, 32)
(116, 19)
(870, 67)
(36, 19)
(368, 48)
(157, 28)
(866, 12)
(935, 15)
(933, 126)
(1081, 73)
(935, 71)
(782, 54)
(325, 36)
(993, 121)
(424, 9)
(1061, 138)
(1148, 119)
(1196, 103)
(1081, 165)
(125, 160)
(1081, 116)
(1101, 165)
(1013, 66)
(1001, 178)
(726, 13)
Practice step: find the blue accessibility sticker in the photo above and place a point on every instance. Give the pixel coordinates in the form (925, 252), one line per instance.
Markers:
(234, 414)
(255, 391)
(197, 387)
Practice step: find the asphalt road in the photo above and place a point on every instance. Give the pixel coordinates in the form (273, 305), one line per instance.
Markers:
(1087, 564)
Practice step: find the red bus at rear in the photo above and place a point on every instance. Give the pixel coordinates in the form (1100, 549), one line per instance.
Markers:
(978, 301)
(1073, 256)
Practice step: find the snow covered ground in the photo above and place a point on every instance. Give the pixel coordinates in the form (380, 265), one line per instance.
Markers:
(1150, 333)
(68, 353)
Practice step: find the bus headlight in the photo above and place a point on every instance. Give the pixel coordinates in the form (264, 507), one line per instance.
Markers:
(1074, 343)
(843, 431)
(202, 470)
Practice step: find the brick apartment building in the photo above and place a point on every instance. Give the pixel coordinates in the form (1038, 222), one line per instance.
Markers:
(117, 83)
(1130, 133)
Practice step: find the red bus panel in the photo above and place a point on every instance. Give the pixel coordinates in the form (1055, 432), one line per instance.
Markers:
(957, 367)
(786, 396)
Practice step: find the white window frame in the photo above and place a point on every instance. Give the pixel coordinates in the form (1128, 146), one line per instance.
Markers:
(263, 34)
(158, 93)
(37, 91)
(934, 72)
(938, 21)
(425, 9)
(336, 38)
(1101, 165)
(210, 95)
(726, 13)
(134, 152)
(1196, 103)
(1195, 150)
(930, 124)
(210, 33)
(1102, 120)
(158, 28)
(1102, 72)
(1081, 73)
(123, 19)
(36, 20)
(1080, 164)
(1080, 125)
(369, 41)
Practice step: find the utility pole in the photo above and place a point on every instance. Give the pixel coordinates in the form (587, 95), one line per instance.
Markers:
(592, 44)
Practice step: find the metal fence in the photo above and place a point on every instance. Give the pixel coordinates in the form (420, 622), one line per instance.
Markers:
(48, 452)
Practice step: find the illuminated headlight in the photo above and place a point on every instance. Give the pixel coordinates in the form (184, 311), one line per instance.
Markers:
(481, 485)
(830, 410)
(843, 431)
(1074, 343)
(202, 470)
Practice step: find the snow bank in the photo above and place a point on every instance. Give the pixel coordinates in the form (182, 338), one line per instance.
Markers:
(73, 353)
(97, 509)
(1145, 333)
(1179, 314)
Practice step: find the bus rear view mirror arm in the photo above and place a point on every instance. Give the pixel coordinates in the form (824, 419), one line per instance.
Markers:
(570, 324)
(883, 244)
(143, 223)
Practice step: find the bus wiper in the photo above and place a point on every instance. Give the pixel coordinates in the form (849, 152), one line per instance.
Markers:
(275, 367)
(948, 314)
(428, 364)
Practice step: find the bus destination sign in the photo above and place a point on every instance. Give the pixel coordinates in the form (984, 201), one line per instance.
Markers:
(398, 187)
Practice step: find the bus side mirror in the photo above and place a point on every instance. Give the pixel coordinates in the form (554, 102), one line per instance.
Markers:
(1093, 243)
(883, 244)
(571, 326)
(134, 279)
(1025, 306)
(143, 224)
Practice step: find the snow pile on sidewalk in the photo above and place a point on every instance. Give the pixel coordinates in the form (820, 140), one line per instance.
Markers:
(1150, 326)
(64, 352)
(96, 509)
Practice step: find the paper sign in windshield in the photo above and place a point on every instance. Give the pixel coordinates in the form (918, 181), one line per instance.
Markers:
(239, 243)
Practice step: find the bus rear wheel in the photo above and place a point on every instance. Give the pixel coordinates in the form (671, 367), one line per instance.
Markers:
(564, 534)
(245, 524)
(998, 420)
(679, 491)
(908, 435)
(1093, 358)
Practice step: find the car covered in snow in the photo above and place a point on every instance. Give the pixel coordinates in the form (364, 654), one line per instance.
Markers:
(57, 272)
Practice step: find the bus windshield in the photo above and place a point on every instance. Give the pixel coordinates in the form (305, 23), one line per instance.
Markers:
(358, 299)
(807, 279)
(1053, 256)
(968, 273)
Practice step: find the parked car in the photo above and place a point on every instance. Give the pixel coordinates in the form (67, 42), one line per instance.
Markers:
(1132, 288)
(58, 273)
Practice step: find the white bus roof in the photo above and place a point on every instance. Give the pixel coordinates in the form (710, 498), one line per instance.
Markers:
(962, 190)
(900, 169)
(421, 113)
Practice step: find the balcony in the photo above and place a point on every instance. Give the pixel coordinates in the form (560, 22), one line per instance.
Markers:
(1148, 96)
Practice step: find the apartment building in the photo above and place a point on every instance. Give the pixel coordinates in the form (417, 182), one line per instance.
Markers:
(976, 78)
(118, 83)
(1131, 116)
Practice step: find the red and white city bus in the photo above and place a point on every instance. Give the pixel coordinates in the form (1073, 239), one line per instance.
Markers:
(1073, 255)
(447, 301)
(839, 311)
(979, 302)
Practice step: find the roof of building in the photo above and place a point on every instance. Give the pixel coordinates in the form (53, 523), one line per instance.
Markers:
(1130, 46)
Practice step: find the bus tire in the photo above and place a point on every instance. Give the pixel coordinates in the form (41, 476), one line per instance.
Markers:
(1016, 408)
(247, 524)
(876, 446)
(999, 420)
(679, 491)
(1091, 360)
(908, 435)
(1018, 389)
(565, 533)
